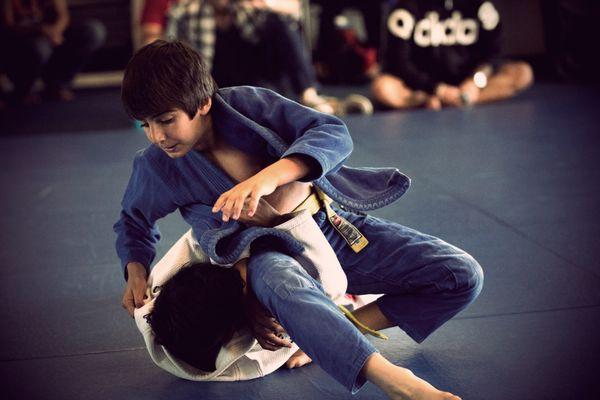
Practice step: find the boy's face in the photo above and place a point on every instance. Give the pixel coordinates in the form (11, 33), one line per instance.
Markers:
(176, 134)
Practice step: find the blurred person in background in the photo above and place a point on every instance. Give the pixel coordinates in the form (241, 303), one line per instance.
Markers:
(244, 43)
(39, 40)
(445, 53)
(342, 54)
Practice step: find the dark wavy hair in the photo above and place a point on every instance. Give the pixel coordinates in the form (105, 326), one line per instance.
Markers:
(197, 311)
(165, 75)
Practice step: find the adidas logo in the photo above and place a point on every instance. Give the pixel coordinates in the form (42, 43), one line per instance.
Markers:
(431, 31)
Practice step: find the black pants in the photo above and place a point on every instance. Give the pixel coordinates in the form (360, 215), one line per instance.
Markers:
(277, 60)
(27, 57)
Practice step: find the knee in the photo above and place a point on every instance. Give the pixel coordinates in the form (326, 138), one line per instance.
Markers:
(96, 33)
(521, 74)
(524, 75)
(468, 275)
(390, 90)
(39, 51)
(381, 85)
(276, 274)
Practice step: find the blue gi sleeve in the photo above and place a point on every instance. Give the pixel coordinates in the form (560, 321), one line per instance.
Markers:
(145, 201)
(226, 242)
(307, 132)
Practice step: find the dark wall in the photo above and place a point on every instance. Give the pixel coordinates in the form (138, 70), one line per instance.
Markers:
(523, 27)
(559, 37)
(571, 34)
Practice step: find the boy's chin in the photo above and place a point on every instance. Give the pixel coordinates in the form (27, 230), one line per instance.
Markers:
(177, 154)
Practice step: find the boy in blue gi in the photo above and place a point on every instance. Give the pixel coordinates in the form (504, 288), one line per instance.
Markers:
(216, 153)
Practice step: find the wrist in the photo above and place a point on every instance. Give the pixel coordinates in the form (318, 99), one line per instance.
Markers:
(136, 270)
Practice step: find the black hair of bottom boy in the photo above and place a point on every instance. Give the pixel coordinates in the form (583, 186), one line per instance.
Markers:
(197, 311)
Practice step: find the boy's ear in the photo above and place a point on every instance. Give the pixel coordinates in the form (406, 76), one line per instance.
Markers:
(203, 110)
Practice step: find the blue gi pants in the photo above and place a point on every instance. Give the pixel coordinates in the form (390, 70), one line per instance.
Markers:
(426, 281)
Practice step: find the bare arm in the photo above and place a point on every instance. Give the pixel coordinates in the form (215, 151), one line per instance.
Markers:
(151, 31)
(54, 31)
(62, 15)
(248, 193)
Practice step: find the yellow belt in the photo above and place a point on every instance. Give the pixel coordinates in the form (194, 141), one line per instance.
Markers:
(311, 203)
(318, 200)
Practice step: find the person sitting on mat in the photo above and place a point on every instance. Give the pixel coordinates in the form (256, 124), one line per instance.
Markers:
(445, 53)
(246, 42)
(38, 39)
(216, 151)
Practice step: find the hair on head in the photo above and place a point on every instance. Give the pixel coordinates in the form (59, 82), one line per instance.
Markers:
(165, 75)
(197, 311)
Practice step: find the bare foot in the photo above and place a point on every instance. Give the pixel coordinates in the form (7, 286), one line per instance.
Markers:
(411, 387)
(298, 359)
(400, 383)
(433, 103)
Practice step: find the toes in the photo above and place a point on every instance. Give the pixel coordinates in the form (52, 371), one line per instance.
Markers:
(450, 396)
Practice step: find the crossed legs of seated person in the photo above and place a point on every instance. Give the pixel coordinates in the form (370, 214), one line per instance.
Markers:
(508, 80)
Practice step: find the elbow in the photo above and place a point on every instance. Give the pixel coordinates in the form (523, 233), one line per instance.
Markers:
(342, 137)
(346, 145)
(349, 144)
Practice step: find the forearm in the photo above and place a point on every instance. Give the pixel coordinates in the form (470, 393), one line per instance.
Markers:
(134, 245)
(135, 269)
(62, 22)
(62, 15)
(286, 170)
(133, 248)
